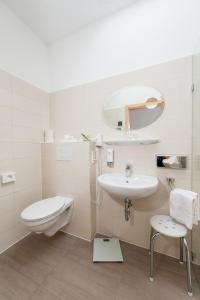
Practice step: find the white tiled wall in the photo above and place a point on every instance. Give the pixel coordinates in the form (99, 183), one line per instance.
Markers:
(24, 113)
(79, 109)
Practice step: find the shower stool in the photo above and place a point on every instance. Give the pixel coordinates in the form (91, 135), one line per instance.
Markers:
(165, 225)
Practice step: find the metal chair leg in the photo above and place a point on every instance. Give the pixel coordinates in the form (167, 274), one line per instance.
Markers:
(189, 277)
(181, 249)
(152, 253)
(151, 234)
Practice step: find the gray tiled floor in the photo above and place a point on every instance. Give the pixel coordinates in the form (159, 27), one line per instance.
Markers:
(61, 268)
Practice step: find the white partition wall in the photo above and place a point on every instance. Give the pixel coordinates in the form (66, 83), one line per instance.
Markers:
(66, 172)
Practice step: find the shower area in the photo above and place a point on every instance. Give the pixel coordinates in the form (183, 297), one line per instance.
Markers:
(196, 160)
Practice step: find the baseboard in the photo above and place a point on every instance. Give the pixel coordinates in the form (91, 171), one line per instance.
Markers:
(82, 238)
(139, 246)
(20, 239)
(24, 236)
(77, 236)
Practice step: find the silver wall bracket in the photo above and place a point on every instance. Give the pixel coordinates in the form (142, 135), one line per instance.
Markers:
(127, 208)
(171, 182)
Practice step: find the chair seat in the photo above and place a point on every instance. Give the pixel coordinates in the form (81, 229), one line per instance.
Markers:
(167, 226)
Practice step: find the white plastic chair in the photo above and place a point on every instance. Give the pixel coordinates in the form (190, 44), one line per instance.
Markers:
(165, 225)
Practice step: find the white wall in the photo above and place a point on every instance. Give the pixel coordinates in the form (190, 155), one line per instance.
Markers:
(147, 33)
(22, 53)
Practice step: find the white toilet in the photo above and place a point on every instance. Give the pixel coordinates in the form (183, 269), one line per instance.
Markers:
(49, 215)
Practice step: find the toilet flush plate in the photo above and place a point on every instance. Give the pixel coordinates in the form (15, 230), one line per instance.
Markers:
(107, 250)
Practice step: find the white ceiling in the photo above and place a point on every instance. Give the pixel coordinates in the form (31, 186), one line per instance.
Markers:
(53, 19)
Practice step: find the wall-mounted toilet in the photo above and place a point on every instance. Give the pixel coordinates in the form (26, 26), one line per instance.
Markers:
(49, 215)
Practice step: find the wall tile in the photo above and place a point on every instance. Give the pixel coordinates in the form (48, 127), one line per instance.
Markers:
(5, 150)
(5, 98)
(28, 172)
(6, 133)
(24, 150)
(26, 119)
(5, 116)
(5, 81)
(27, 134)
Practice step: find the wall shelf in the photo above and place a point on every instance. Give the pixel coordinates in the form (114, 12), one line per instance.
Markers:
(129, 142)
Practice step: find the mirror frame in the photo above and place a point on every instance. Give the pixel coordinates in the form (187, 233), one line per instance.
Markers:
(150, 101)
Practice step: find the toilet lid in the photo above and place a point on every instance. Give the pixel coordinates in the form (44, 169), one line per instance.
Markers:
(43, 208)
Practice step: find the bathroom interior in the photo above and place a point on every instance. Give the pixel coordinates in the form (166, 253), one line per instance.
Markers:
(99, 149)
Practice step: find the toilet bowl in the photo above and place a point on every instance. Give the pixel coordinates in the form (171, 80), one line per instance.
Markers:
(49, 215)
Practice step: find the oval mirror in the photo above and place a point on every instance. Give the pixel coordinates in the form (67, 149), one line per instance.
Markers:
(133, 107)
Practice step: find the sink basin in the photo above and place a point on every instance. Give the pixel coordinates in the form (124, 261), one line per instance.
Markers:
(134, 187)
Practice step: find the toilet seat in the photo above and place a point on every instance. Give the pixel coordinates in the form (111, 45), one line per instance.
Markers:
(45, 208)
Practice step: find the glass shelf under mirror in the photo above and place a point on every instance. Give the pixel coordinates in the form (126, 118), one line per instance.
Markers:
(135, 141)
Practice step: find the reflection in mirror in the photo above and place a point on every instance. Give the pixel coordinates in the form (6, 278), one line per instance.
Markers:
(133, 107)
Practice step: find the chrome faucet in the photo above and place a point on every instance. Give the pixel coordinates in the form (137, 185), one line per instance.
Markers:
(128, 170)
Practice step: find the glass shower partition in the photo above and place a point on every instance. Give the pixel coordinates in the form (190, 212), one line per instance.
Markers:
(196, 159)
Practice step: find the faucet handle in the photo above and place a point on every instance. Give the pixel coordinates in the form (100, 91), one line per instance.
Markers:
(128, 170)
(128, 167)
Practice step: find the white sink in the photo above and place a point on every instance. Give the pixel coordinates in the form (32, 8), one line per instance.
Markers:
(134, 187)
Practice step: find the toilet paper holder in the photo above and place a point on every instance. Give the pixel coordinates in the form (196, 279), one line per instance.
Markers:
(171, 161)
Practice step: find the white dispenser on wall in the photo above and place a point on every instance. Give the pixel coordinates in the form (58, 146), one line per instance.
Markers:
(99, 140)
(110, 157)
(48, 136)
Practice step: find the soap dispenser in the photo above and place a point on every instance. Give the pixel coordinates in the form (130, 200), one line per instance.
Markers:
(110, 157)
